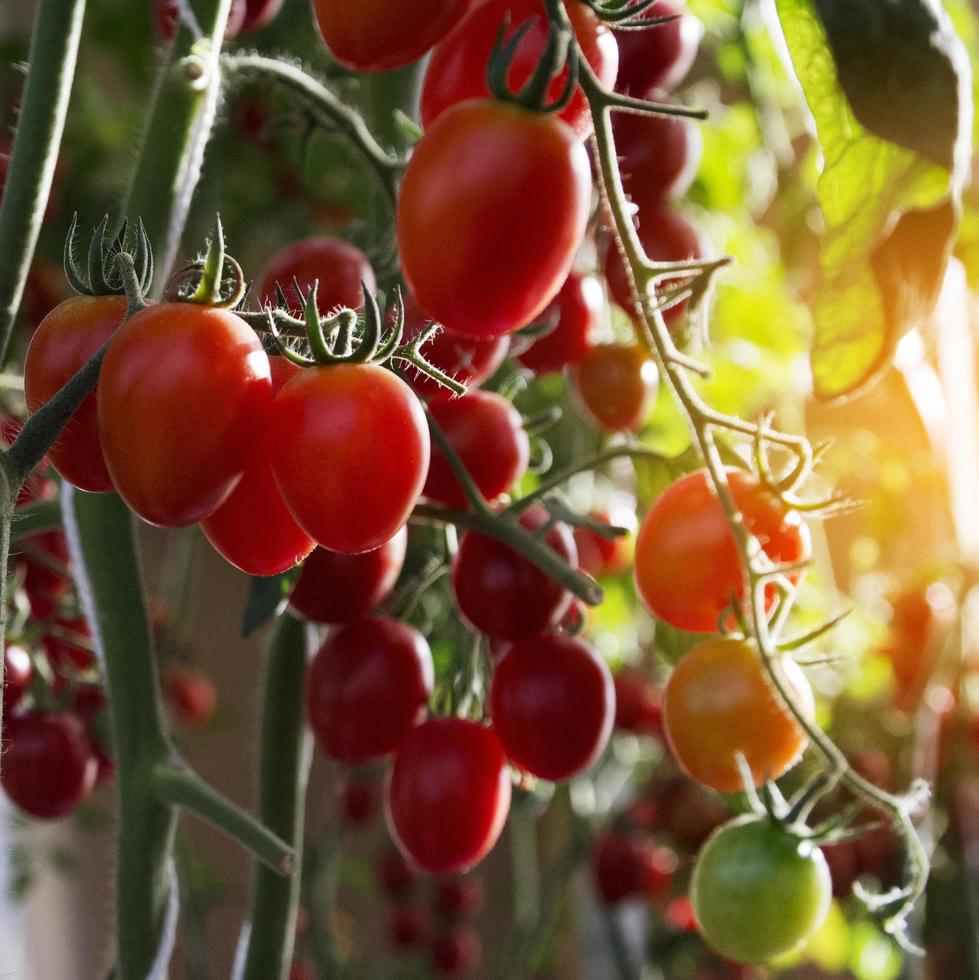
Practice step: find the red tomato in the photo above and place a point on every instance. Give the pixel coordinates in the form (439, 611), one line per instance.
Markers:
(65, 339)
(492, 208)
(500, 593)
(182, 392)
(68, 644)
(578, 309)
(43, 563)
(448, 794)
(350, 454)
(253, 528)
(367, 687)
(686, 566)
(338, 266)
(49, 768)
(458, 898)
(658, 57)
(615, 386)
(17, 673)
(395, 875)
(358, 800)
(553, 703)
(456, 952)
(190, 696)
(91, 705)
(407, 926)
(376, 35)
(336, 588)
(166, 16)
(487, 433)
(458, 66)
(719, 702)
(258, 13)
(600, 556)
(638, 704)
(627, 866)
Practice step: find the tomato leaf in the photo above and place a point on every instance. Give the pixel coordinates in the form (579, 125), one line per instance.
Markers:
(888, 85)
(266, 595)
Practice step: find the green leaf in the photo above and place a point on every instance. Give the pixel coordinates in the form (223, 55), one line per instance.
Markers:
(266, 595)
(887, 82)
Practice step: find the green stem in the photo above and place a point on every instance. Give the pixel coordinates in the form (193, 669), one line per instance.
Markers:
(471, 491)
(283, 772)
(385, 93)
(54, 51)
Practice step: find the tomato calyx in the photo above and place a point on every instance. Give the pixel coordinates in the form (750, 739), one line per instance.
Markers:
(102, 275)
(627, 17)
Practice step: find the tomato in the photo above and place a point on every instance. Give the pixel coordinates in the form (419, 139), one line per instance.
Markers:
(182, 391)
(552, 702)
(68, 644)
(395, 875)
(458, 66)
(190, 696)
(658, 57)
(600, 556)
(65, 339)
(719, 702)
(487, 433)
(49, 768)
(638, 704)
(448, 794)
(367, 687)
(43, 563)
(758, 891)
(337, 266)
(456, 952)
(258, 13)
(458, 898)
(377, 35)
(407, 926)
(500, 593)
(615, 386)
(578, 310)
(336, 588)
(628, 866)
(492, 208)
(253, 528)
(358, 801)
(350, 454)
(166, 16)
(17, 673)
(687, 567)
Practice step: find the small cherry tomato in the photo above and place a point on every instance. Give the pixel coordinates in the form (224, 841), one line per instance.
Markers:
(719, 702)
(638, 704)
(258, 13)
(686, 565)
(367, 687)
(407, 926)
(456, 952)
(600, 556)
(448, 794)
(190, 695)
(395, 875)
(17, 673)
(358, 800)
(615, 386)
(553, 704)
(458, 898)
(658, 57)
(350, 454)
(629, 866)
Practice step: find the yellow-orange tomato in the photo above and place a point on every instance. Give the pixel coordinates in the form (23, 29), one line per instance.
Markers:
(616, 386)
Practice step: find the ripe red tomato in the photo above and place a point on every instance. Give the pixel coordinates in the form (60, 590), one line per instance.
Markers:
(350, 454)
(458, 898)
(458, 66)
(487, 433)
(190, 695)
(553, 703)
(358, 800)
(336, 588)
(658, 57)
(686, 565)
(253, 528)
(719, 702)
(338, 266)
(456, 952)
(500, 593)
(17, 673)
(628, 866)
(600, 556)
(492, 208)
(615, 386)
(258, 13)
(65, 339)
(407, 926)
(367, 687)
(395, 875)
(182, 391)
(578, 308)
(638, 704)
(49, 768)
(448, 794)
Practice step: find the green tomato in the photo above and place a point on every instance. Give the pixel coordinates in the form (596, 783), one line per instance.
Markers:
(758, 891)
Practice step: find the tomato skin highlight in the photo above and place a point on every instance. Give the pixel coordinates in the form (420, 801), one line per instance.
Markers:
(183, 388)
(757, 891)
(492, 208)
(17, 673)
(615, 386)
(448, 794)
(553, 704)
(719, 702)
(350, 454)
(64, 340)
(367, 687)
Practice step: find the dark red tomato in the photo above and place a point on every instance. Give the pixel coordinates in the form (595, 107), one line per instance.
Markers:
(448, 794)
(395, 875)
(456, 952)
(43, 563)
(492, 209)
(258, 13)
(336, 265)
(358, 800)
(577, 310)
(666, 236)
(49, 767)
(253, 528)
(600, 556)
(487, 433)
(407, 926)
(68, 644)
(17, 673)
(350, 454)
(182, 392)
(458, 898)
(500, 593)
(90, 704)
(628, 866)
(615, 386)
(65, 339)
(190, 696)
(638, 704)
(658, 57)
(367, 687)
(687, 567)
(166, 16)
(457, 69)
(302, 969)
(377, 35)
(553, 703)
(336, 588)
